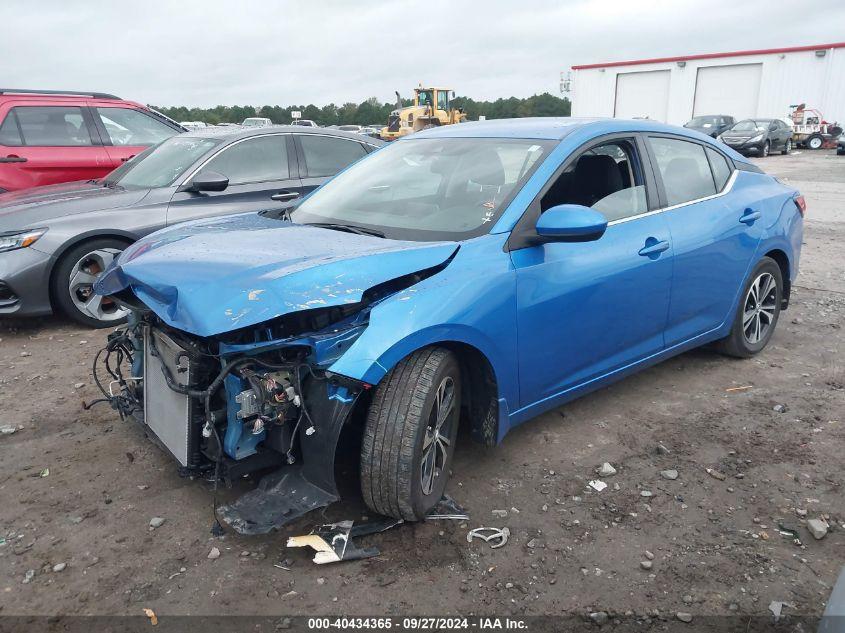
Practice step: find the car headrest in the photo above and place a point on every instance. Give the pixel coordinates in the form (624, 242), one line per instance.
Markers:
(596, 176)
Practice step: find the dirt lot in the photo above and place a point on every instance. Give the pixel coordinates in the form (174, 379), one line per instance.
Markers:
(716, 545)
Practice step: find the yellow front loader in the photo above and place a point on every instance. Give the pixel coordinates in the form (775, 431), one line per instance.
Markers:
(431, 109)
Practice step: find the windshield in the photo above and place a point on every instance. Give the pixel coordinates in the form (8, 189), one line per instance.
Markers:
(162, 164)
(750, 126)
(703, 121)
(253, 122)
(427, 189)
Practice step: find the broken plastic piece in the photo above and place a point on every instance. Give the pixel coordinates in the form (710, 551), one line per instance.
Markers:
(447, 508)
(499, 536)
(151, 615)
(598, 485)
(333, 542)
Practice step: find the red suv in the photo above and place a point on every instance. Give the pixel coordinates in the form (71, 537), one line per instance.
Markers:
(49, 136)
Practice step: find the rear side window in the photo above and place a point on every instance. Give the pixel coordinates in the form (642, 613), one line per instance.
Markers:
(253, 160)
(47, 126)
(9, 133)
(684, 169)
(126, 126)
(721, 168)
(325, 156)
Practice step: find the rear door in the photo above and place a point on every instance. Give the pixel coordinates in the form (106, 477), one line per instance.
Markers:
(322, 156)
(262, 175)
(48, 144)
(714, 233)
(128, 131)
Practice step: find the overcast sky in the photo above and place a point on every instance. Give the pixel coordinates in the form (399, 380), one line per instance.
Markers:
(209, 52)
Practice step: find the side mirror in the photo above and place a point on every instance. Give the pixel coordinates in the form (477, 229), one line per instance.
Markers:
(208, 181)
(571, 223)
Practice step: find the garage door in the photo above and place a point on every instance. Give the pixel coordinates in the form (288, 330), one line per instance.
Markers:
(733, 90)
(641, 95)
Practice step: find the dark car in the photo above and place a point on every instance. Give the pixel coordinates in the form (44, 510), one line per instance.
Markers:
(711, 125)
(759, 137)
(48, 137)
(840, 146)
(55, 240)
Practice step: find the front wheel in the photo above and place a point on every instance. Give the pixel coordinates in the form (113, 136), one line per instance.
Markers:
(73, 283)
(815, 142)
(765, 151)
(409, 437)
(757, 313)
(787, 147)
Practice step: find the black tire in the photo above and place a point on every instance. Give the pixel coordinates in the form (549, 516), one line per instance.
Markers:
(398, 421)
(765, 151)
(840, 151)
(787, 147)
(60, 281)
(738, 343)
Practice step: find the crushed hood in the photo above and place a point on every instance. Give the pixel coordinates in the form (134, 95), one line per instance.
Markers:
(223, 274)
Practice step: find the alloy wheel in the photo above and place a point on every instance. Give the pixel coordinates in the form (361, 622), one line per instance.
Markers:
(766, 148)
(760, 307)
(788, 145)
(81, 286)
(438, 432)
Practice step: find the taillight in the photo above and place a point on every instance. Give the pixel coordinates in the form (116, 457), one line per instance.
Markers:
(801, 204)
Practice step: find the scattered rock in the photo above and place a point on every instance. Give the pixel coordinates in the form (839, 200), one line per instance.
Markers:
(662, 450)
(670, 473)
(214, 553)
(321, 581)
(59, 567)
(78, 385)
(818, 528)
(800, 512)
(649, 555)
(646, 564)
(531, 544)
(25, 354)
(780, 408)
(500, 513)
(684, 617)
(715, 474)
(646, 493)
(28, 576)
(606, 470)
(8, 430)
(687, 599)
(156, 522)
(599, 617)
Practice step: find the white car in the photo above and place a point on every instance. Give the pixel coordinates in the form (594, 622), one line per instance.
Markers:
(304, 123)
(256, 121)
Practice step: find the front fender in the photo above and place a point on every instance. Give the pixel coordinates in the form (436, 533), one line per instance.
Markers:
(470, 302)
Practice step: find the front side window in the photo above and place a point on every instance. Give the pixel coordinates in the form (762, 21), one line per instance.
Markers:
(427, 189)
(126, 126)
(607, 178)
(254, 160)
(50, 126)
(160, 166)
(684, 169)
(326, 155)
(443, 100)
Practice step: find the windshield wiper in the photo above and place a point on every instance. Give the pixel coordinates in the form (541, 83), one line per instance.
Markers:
(349, 228)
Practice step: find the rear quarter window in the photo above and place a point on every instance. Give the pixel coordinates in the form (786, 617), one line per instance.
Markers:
(721, 169)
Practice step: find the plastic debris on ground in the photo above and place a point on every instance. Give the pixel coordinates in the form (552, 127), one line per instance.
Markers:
(447, 508)
(152, 616)
(333, 542)
(597, 484)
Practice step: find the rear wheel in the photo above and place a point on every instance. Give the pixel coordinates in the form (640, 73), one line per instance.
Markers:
(815, 142)
(409, 437)
(73, 283)
(757, 313)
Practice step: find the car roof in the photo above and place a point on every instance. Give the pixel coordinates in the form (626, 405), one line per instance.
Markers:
(238, 132)
(551, 128)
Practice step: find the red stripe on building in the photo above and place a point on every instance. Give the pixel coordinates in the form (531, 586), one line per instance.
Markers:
(686, 58)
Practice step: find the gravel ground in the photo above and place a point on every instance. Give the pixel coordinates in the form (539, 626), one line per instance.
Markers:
(79, 488)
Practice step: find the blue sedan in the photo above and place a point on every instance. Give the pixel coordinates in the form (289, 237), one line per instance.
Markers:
(478, 275)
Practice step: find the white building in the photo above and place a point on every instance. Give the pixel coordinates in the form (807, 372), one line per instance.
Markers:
(759, 83)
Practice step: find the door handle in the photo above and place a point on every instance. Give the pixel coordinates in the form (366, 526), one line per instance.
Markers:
(127, 158)
(750, 216)
(653, 246)
(13, 159)
(284, 195)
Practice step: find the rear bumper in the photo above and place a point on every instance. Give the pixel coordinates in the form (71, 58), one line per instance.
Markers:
(25, 283)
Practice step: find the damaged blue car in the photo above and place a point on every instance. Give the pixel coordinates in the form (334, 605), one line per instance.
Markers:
(475, 275)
